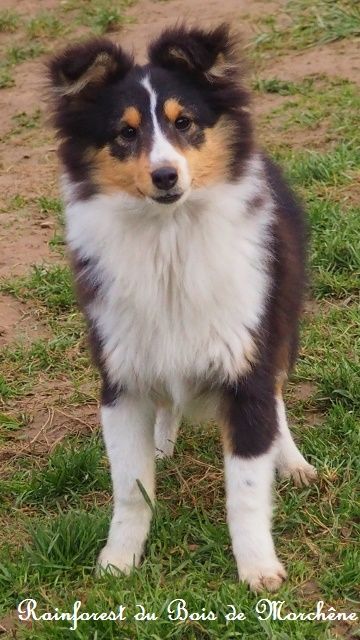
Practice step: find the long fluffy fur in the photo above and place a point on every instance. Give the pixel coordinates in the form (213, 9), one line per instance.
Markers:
(192, 297)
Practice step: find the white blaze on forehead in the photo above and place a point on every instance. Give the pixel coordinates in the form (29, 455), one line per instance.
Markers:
(163, 152)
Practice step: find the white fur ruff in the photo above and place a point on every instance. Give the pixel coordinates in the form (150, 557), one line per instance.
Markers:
(183, 286)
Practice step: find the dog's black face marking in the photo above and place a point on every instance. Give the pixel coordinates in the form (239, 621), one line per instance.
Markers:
(108, 125)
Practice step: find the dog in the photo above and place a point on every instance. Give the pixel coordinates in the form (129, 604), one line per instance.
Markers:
(188, 252)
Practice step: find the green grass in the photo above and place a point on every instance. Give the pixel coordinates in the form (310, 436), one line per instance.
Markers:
(24, 120)
(6, 78)
(324, 173)
(72, 470)
(312, 105)
(104, 19)
(100, 16)
(23, 366)
(45, 24)
(11, 425)
(336, 249)
(9, 21)
(15, 55)
(55, 505)
(19, 53)
(192, 559)
(17, 201)
(332, 168)
(52, 206)
(311, 24)
(51, 287)
(50, 290)
(38, 33)
(331, 357)
(275, 85)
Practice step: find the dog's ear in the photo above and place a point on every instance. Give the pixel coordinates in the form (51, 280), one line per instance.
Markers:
(81, 70)
(214, 55)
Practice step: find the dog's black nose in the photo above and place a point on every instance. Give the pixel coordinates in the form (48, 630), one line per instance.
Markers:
(164, 178)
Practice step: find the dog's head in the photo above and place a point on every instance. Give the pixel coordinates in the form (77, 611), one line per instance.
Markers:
(157, 131)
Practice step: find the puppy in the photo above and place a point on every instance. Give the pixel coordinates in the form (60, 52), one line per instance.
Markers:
(187, 248)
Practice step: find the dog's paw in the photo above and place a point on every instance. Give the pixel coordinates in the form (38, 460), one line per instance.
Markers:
(164, 448)
(164, 451)
(268, 577)
(112, 561)
(301, 472)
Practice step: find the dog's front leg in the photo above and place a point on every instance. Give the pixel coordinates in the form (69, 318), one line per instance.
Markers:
(250, 450)
(128, 427)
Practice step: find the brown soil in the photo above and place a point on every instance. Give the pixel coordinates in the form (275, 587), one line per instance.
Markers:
(304, 390)
(24, 247)
(335, 59)
(152, 16)
(50, 425)
(18, 323)
(8, 624)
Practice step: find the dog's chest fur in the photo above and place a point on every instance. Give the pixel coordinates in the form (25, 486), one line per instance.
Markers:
(181, 294)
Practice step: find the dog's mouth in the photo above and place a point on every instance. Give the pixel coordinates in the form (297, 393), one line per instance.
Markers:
(167, 198)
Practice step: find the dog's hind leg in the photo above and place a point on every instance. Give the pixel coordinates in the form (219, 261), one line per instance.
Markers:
(290, 463)
(166, 430)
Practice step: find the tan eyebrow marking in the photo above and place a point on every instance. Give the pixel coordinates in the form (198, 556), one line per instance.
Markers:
(132, 117)
(172, 109)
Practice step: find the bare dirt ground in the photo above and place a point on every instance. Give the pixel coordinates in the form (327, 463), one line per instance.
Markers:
(28, 160)
(340, 59)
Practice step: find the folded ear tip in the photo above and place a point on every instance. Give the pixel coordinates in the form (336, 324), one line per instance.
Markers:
(197, 49)
(223, 28)
(227, 35)
(73, 61)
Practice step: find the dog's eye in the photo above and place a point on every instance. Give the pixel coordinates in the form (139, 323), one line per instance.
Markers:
(128, 133)
(183, 123)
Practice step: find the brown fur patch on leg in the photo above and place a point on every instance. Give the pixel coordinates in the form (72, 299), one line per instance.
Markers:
(282, 364)
(227, 440)
(280, 382)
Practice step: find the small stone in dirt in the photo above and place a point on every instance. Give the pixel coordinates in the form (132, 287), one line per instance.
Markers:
(314, 419)
(310, 588)
(304, 390)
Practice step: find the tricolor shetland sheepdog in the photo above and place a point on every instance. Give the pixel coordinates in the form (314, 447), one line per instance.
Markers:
(187, 247)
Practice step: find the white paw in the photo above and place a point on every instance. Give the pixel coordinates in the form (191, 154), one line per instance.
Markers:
(126, 540)
(113, 561)
(300, 471)
(268, 576)
(164, 450)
